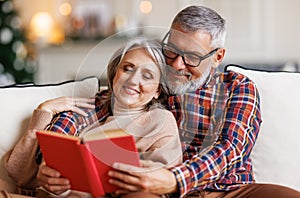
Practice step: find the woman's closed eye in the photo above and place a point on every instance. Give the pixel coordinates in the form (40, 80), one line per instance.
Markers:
(128, 68)
(147, 75)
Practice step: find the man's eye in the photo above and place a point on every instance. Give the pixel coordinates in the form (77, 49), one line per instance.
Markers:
(170, 51)
(192, 58)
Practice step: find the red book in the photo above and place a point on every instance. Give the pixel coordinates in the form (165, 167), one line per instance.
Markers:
(86, 160)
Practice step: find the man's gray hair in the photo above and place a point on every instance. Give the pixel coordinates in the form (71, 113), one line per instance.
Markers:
(200, 18)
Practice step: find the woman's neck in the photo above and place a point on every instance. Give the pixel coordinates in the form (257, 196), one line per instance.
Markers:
(121, 110)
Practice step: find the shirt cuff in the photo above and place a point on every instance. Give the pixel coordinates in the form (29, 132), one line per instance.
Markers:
(182, 176)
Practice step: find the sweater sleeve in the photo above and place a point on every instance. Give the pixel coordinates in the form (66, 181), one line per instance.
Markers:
(165, 146)
(20, 161)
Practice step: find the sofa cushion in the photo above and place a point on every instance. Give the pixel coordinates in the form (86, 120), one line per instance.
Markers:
(275, 155)
(19, 101)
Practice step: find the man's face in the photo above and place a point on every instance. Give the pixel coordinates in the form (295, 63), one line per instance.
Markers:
(181, 77)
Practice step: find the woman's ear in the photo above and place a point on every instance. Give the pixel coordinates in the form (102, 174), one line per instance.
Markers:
(158, 92)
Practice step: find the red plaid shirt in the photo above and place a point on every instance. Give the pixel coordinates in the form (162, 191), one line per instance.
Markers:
(218, 126)
(72, 123)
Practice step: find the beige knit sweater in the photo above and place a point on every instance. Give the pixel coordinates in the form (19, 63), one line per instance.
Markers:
(20, 161)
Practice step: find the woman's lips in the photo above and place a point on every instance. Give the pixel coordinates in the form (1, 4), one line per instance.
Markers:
(131, 91)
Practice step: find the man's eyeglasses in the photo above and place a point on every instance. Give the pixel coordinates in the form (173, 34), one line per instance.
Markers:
(189, 58)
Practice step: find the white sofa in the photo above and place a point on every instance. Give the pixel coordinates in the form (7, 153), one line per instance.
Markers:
(275, 155)
(17, 104)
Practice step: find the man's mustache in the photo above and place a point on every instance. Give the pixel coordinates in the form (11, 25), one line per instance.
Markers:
(170, 69)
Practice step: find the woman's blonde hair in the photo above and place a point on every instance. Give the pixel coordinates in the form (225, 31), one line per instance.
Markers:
(152, 48)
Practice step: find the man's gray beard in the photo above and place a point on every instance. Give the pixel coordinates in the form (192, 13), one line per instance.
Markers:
(175, 86)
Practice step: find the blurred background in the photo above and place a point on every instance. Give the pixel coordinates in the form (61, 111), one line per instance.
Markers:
(50, 41)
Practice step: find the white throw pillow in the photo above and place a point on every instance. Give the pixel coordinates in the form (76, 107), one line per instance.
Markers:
(18, 102)
(275, 155)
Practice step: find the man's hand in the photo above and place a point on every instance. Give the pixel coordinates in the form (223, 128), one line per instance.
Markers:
(50, 179)
(149, 178)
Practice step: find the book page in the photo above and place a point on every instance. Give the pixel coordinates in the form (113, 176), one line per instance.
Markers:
(60, 135)
(104, 134)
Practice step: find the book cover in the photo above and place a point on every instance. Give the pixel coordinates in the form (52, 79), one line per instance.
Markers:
(85, 161)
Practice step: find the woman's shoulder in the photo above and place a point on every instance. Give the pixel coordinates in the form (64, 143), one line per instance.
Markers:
(162, 120)
(160, 113)
(158, 109)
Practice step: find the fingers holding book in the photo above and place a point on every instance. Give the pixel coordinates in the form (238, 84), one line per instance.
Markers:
(149, 178)
(51, 181)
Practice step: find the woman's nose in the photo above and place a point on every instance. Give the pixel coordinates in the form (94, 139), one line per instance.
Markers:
(134, 78)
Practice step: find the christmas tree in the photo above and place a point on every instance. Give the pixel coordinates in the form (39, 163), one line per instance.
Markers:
(16, 65)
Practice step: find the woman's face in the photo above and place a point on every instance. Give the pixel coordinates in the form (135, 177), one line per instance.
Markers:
(137, 79)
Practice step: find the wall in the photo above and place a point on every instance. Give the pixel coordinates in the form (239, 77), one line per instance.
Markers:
(261, 31)
(258, 31)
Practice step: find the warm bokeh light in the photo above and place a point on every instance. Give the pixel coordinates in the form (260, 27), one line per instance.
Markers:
(145, 7)
(43, 29)
(120, 22)
(65, 9)
(42, 23)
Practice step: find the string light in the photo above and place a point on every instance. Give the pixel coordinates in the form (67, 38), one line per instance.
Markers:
(145, 7)
(65, 9)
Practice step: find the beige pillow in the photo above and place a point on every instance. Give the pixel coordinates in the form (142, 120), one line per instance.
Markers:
(17, 104)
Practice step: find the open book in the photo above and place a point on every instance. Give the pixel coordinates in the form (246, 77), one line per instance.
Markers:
(85, 161)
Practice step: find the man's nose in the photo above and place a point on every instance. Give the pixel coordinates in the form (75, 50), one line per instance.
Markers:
(178, 63)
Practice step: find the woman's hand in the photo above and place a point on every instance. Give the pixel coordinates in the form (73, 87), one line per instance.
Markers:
(50, 179)
(150, 178)
(67, 104)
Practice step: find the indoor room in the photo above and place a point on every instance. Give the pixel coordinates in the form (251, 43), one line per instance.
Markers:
(221, 118)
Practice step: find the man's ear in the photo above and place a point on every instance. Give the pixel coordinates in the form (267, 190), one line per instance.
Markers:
(219, 55)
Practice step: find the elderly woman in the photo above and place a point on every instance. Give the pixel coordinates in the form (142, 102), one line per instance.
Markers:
(132, 103)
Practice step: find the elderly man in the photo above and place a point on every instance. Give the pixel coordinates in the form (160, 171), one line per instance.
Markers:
(218, 116)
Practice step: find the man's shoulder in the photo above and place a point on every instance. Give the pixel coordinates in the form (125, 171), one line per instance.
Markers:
(233, 77)
(238, 82)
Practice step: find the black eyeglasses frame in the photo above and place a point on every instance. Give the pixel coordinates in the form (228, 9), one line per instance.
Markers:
(182, 53)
